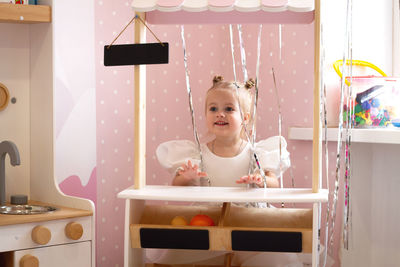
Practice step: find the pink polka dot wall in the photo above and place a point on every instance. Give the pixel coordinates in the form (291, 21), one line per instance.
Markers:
(168, 116)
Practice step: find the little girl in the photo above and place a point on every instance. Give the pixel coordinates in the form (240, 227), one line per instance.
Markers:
(226, 161)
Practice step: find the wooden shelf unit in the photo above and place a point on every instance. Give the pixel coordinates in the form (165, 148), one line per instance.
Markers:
(136, 208)
(12, 13)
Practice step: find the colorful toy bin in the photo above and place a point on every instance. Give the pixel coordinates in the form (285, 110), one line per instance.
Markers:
(375, 103)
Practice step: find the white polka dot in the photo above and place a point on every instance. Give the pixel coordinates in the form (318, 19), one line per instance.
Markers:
(294, 53)
(114, 13)
(200, 44)
(103, 239)
(153, 138)
(293, 110)
(165, 72)
(153, 119)
(294, 72)
(165, 110)
(115, 111)
(116, 228)
(176, 99)
(101, 82)
(115, 131)
(305, 158)
(305, 43)
(177, 118)
(102, 102)
(153, 100)
(128, 121)
(102, 141)
(115, 72)
(116, 208)
(115, 169)
(306, 62)
(103, 219)
(305, 177)
(211, 36)
(305, 100)
(103, 200)
(103, 161)
(128, 140)
(103, 181)
(294, 33)
(129, 178)
(294, 91)
(100, 3)
(115, 150)
(129, 159)
(176, 81)
(293, 147)
(103, 258)
(102, 121)
(101, 22)
(305, 120)
(305, 81)
(128, 101)
(153, 81)
(165, 91)
(165, 128)
(128, 81)
(282, 81)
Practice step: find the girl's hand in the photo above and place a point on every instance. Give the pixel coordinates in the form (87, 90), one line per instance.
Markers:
(189, 174)
(254, 178)
(257, 179)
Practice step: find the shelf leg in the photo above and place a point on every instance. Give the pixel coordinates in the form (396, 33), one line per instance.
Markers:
(315, 241)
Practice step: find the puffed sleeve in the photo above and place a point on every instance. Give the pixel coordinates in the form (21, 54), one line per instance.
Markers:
(173, 154)
(268, 154)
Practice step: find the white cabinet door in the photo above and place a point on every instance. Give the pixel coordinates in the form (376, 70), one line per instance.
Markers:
(75, 254)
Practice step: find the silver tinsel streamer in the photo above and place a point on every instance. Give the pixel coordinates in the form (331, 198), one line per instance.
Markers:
(241, 112)
(242, 53)
(349, 125)
(189, 90)
(340, 127)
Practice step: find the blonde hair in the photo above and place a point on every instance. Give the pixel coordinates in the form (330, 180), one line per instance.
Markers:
(245, 94)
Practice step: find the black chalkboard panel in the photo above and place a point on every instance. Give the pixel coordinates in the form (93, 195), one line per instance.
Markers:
(174, 238)
(136, 54)
(266, 241)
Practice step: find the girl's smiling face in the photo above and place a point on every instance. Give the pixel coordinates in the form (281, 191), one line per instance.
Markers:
(223, 114)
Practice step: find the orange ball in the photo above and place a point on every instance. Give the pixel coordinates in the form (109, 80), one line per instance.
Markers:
(179, 220)
(202, 220)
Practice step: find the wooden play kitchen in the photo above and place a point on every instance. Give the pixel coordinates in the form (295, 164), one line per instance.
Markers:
(64, 234)
(237, 228)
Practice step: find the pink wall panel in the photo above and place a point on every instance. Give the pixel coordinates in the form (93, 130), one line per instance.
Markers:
(168, 118)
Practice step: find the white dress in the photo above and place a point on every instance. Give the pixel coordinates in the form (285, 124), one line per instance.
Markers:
(224, 171)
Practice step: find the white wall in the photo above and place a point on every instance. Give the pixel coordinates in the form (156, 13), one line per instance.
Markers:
(374, 236)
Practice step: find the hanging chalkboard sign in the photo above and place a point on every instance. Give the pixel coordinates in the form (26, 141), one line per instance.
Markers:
(136, 54)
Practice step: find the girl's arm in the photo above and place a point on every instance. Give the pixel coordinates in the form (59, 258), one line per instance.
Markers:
(187, 175)
(256, 178)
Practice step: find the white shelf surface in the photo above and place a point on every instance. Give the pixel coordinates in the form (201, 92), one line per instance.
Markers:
(225, 194)
(379, 136)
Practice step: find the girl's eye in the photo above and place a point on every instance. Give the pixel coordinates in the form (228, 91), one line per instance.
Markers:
(229, 109)
(213, 109)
